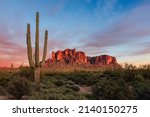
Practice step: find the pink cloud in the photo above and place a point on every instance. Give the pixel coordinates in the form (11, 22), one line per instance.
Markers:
(10, 51)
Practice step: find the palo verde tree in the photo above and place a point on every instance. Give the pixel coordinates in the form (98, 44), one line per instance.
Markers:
(34, 62)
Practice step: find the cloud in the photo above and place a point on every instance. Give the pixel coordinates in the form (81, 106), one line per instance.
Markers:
(144, 49)
(56, 44)
(130, 29)
(12, 53)
(10, 50)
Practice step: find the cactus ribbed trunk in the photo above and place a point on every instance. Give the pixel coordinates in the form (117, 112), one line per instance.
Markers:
(29, 47)
(37, 78)
(37, 41)
(36, 64)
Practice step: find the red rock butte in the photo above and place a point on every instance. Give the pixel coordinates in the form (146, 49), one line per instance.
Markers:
(71, 56)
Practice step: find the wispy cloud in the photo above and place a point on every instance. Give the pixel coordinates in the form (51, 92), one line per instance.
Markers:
(144, 49)
(130, 29)
(10, 50)
(56, 44)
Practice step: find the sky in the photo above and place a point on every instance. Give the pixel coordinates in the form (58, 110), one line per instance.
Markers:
(119, 28)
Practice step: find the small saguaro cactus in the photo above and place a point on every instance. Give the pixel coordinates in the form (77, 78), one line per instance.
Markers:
(36, 64)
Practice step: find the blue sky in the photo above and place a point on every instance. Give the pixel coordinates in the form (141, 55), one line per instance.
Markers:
(120, 28)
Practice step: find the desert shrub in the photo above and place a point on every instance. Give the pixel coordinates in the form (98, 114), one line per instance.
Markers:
(141, 90)
(1, 91)
(18, 87)
(92, 80)
(129, 66)
(54, 93)
(138, 77)
(59, 83)
(129, 75)
(73, 87)
(112, 73)
(78, 77)
(55, 96)
(108, 89)
(26, 72)
(4, 79)
(145, 73)
(83, 77)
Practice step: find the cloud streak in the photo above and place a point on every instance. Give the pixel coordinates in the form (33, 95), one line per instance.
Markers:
(10, 50)
(144, 49)
(130, 29)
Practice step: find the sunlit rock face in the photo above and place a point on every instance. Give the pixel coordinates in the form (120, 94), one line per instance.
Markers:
(69, 56)
(79, 57)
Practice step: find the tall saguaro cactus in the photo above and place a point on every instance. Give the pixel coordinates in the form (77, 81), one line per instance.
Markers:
(35, 63)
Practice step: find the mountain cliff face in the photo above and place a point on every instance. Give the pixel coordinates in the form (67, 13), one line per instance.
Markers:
(102, 59)
(71, 56)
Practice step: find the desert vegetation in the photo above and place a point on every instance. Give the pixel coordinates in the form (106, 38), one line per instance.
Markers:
(127, 83)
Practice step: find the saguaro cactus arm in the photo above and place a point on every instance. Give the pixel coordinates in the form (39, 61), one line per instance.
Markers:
(37, 41)
(45, 47)
(29, 47)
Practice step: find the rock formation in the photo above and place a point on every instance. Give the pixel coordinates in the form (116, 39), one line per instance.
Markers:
(102, 59)
(71, 56)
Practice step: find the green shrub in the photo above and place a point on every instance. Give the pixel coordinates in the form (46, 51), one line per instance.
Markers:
(83, 77)
(112, 73)
(139, 78)
(4, 80)
(59, 83)
(108, 89)
(18, 87)
(141, 90)
(27, 72)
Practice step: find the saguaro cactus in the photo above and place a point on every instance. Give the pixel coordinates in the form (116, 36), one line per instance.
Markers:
(36, 64)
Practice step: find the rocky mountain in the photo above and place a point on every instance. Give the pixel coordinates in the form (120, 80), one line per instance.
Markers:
(71, 56)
